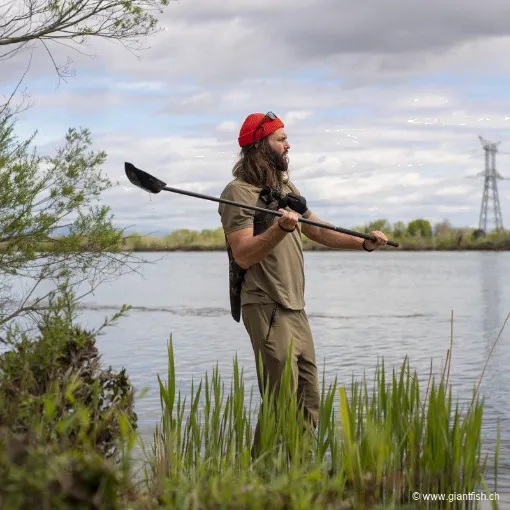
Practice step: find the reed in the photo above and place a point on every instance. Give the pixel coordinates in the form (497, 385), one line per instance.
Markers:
(372, 445)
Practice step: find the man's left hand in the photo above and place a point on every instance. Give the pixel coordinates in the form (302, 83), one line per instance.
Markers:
(381, 240)
(295, 202)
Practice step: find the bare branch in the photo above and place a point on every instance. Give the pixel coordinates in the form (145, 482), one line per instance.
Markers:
(62, 70)
(5, 114)
(79, 20)
(47, 22)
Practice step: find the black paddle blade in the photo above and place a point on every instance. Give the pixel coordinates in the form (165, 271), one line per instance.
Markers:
(142, 179)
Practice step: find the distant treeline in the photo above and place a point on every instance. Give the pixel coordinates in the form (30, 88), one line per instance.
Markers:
(418, 234)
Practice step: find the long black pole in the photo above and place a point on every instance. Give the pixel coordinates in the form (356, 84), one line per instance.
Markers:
(362, 235)
(152, 184)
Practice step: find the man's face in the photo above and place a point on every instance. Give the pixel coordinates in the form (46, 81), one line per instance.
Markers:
(278, 142)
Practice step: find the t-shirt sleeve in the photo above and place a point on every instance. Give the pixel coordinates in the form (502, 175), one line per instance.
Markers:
(234, 217)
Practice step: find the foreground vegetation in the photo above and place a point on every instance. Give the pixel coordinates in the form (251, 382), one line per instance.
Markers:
(442, 238)
(69, 434)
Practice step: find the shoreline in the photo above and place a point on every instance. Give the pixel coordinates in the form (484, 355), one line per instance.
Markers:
(213, 240)
(314, 249)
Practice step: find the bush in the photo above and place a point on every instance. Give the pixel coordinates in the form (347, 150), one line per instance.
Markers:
(65, 421)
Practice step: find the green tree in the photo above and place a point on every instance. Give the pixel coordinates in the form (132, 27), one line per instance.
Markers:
(382, 225)
(399, 229)
(52, 227)
(443, 228)
(56, 241)
(420, 227)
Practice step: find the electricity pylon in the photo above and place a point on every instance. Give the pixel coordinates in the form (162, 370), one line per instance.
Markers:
(490, 188)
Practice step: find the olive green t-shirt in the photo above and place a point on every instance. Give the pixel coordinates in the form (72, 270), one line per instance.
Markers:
(279, 277)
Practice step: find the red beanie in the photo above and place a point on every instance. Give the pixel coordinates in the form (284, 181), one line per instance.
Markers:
(252, 123)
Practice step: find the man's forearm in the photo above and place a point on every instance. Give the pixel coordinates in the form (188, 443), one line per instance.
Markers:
(333, 239)
(256, 248)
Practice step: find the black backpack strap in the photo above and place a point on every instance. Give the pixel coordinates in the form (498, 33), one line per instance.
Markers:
(268, 199)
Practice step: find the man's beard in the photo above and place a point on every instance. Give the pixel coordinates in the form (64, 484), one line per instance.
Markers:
(280, 162)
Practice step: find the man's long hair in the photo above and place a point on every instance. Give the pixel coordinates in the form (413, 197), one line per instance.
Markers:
(260, 165)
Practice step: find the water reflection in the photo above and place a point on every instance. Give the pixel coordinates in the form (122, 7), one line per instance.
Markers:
(490, 278)
(495, 378)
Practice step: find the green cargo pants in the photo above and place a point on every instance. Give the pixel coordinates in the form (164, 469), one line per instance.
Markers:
(271, 329)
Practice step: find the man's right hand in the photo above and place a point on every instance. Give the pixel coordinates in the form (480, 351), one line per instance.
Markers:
(288, 220)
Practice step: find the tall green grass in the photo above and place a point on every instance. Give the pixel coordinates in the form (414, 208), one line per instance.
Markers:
(68, 428)
(372, 445)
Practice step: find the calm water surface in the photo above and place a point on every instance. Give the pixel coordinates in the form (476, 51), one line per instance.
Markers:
(361, 307)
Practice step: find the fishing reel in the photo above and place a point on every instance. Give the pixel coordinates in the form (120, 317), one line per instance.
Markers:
(291, 200)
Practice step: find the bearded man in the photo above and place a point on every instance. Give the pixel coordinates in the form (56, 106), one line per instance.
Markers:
(266, 270)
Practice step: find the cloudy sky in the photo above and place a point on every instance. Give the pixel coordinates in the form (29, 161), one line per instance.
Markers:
(383, 103)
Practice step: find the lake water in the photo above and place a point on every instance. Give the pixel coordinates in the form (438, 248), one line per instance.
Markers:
(361, 307)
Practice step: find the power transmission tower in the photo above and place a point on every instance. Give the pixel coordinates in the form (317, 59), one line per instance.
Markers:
(490, 188)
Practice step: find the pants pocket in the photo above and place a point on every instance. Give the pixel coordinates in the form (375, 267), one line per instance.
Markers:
(272, 321)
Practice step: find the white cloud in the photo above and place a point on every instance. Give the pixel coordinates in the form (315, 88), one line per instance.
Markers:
(452, 209)
(383, 105)
(449, 191)
(293, 118)
(228, 126)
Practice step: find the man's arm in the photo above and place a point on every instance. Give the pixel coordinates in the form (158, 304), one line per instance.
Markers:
(248, 249)
(330, 238)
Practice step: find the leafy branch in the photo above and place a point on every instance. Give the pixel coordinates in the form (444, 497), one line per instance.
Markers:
(53, 227)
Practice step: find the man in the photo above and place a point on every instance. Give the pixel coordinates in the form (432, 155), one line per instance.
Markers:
(266, 258)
